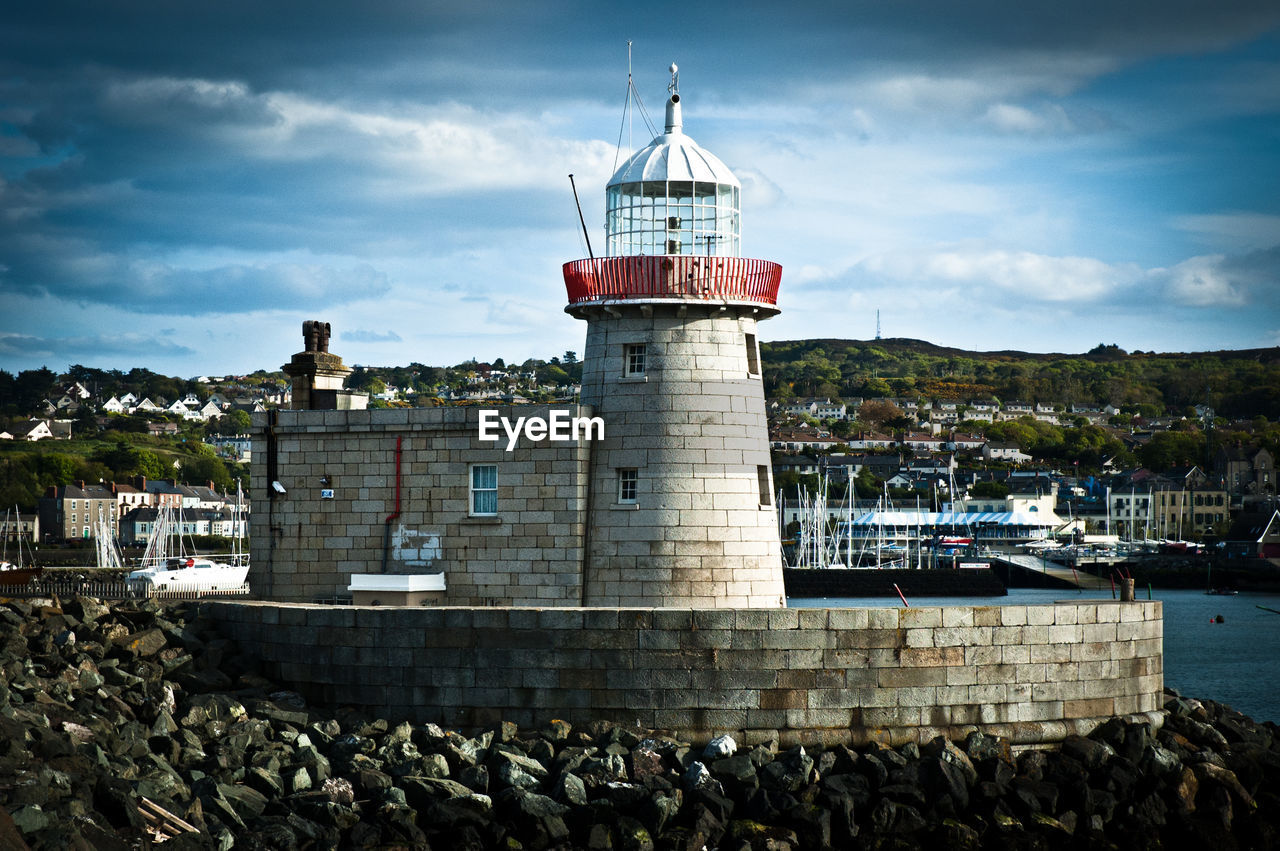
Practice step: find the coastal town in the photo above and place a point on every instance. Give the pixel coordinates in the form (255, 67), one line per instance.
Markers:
(742, 577)
(1190, 478)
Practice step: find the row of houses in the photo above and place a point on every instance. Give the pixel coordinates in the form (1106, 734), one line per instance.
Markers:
(137, 525)
(189, 407)
(70, 398)
(38, 429)
(944, 412)
(807, 439)
(79, 509)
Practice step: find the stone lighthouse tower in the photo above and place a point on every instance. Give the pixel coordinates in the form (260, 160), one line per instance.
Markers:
(681, 507)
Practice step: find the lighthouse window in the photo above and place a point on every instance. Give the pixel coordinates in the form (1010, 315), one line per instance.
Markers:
(753, 356)
(672, 217)
(484, 490)
(627, 478)
(635, 357)
(762, 478)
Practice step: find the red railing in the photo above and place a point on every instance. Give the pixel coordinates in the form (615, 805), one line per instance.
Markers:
(672, 276)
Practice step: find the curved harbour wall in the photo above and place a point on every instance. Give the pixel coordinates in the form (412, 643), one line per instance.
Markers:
(1029, 673)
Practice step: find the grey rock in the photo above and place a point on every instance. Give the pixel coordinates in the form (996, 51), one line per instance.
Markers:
(893, 818)
(513, 775)
(1092, 754)
(569, 789)
(597, 771)
(298, 780)
(737, 769)
(475, 777)
(633, 836)
(31, 819)
(247, 801)
(720, 747)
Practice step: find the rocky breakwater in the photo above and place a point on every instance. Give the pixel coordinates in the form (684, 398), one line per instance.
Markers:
(123, 723)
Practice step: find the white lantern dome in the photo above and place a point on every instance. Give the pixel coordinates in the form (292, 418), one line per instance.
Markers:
(673, 197)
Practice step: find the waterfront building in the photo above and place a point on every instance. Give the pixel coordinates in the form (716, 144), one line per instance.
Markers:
(670, 504)
(74, 510)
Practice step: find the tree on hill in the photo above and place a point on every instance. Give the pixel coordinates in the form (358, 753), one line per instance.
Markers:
(989, 490)
(23, 393)
(877, 414)
(232, 423)
(1168, 449)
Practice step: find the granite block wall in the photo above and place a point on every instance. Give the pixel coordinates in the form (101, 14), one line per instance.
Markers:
(1030, 673)
(702, 530)
(338, 471)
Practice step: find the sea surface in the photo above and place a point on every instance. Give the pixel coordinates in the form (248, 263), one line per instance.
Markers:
(1236, 662)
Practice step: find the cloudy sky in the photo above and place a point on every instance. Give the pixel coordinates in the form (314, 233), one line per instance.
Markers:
(182, 184)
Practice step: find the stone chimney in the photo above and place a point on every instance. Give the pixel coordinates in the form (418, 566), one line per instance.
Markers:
(317, 375)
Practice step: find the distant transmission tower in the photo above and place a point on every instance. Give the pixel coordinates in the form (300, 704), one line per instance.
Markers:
(877, 324)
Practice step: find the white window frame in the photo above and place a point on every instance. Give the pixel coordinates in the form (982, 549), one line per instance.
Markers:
(628, 485)
(473, 492)
(634, 360)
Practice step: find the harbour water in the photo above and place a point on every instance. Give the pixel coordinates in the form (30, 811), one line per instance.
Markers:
(1236, 662)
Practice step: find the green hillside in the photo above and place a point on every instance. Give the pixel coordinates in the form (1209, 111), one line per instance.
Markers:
(1237, 384)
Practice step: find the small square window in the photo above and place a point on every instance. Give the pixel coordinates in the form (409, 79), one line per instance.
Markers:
(627, 479)
(484, 490)
(635, 360)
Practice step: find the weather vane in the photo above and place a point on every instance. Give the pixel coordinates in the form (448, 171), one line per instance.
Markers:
(674, 88)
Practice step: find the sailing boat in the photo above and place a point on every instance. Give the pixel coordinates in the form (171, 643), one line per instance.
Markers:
(105, 547)
(168, 567)
(14, 573)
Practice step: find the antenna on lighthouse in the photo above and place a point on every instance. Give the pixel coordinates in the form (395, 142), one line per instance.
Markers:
(674, 86)
(578, 204)
(632, 96)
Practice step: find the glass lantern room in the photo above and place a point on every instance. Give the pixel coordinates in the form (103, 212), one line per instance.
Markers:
(673, 197)
(672, 217)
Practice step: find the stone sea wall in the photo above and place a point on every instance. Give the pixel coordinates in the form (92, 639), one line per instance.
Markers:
(1026, 673)
(122, 725)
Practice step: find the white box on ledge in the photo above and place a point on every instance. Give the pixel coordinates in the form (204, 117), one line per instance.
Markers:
(396, 589)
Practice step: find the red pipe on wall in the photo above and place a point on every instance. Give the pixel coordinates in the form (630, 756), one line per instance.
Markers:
(386, 529)
(397, 511)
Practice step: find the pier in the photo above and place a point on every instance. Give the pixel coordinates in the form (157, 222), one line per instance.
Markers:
(1042, 566)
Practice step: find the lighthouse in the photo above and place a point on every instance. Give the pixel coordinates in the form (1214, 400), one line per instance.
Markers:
(680, 509)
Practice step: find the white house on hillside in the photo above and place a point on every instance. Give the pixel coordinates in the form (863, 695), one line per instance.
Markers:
(1004, 452)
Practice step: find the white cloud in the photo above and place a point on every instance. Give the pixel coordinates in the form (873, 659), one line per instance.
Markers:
(516, 316)
(1020, 274)
(1048, 119)
(412, 149)
(93, 347)
(1202, 282)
